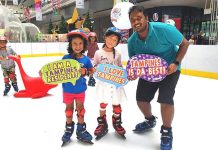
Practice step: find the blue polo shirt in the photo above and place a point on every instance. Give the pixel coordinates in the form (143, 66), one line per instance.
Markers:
(162, 40)
(80, 85)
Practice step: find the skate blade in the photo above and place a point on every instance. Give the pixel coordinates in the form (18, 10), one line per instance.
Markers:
(101, 136)
(137, 131)
(85, 142)
(141, 131)
(121, 135)
(65, 143)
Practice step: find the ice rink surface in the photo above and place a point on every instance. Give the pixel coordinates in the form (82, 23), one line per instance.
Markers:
(38, 124)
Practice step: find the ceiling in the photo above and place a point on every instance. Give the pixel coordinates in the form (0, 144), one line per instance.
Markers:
(146, 3)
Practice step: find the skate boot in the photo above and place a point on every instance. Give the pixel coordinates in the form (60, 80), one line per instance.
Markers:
(82, 134)
(118, 127)
(102, 128)
(146, 125)
(91, 81)
(67, 133)
(7, 89)
(166, 138)
(14, 84)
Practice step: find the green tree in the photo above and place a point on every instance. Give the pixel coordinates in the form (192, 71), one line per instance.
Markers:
(88, 22)
(63, 26)
(50, 27)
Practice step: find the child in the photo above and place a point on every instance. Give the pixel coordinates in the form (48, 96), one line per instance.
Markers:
(107, 92)
(77, 45)
(7, 65)
(92, 48)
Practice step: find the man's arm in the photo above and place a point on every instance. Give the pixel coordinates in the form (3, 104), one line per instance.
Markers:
(183, 47)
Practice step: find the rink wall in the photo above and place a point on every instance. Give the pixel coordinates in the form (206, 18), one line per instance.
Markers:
(200, 60)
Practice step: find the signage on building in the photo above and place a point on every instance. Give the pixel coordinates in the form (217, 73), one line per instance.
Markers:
(79, 3)
(207, 11)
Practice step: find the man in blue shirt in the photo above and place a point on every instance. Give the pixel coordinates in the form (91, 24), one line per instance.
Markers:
(167, 42)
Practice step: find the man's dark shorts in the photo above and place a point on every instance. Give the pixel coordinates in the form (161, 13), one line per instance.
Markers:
(146, 90)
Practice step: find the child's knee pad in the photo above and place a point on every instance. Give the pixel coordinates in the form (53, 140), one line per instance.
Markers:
(80, 112)
(117, 109)
(103, 106)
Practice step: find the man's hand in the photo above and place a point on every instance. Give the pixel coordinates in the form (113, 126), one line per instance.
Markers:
(171, 68)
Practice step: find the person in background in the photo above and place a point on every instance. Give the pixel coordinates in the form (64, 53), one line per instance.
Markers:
(165, 41)
(192, 40)
(92, 48)
(200, 38)
(7, 65)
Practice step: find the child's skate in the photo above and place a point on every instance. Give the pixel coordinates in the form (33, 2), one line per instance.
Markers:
(118, 127)
(83, 135)
(67, 133)
(14, 84)
(7, 89)
(102, 128)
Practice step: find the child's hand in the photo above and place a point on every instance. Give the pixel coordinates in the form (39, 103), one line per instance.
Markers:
(2, 58)
(40, 73)
(83, 71)
(131, 78)
(92, 71)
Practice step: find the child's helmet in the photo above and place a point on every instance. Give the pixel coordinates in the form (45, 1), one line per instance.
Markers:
(3, 38)
(92, 34)
(77, 32)
(114, 30)
(170, 22)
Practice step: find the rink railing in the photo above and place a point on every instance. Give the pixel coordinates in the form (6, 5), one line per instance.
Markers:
(200, 60)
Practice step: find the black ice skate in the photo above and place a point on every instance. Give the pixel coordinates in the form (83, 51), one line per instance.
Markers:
(14, 84)
(82, 134)
(67, 133)
(118, 127)
(7, 89)
(102, 128)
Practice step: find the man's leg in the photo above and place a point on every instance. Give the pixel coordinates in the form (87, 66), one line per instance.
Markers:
(145, 108)
(167, 113)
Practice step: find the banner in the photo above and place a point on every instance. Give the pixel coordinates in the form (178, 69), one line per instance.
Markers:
(15, 2)
(26, 13)
(118, 1)
(79, 3)
(38, 16)
(56, 6)
(38, 10)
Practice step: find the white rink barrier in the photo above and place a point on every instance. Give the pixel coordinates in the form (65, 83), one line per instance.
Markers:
(200, 60)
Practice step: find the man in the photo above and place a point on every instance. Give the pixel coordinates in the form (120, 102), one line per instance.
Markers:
(162, 40)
